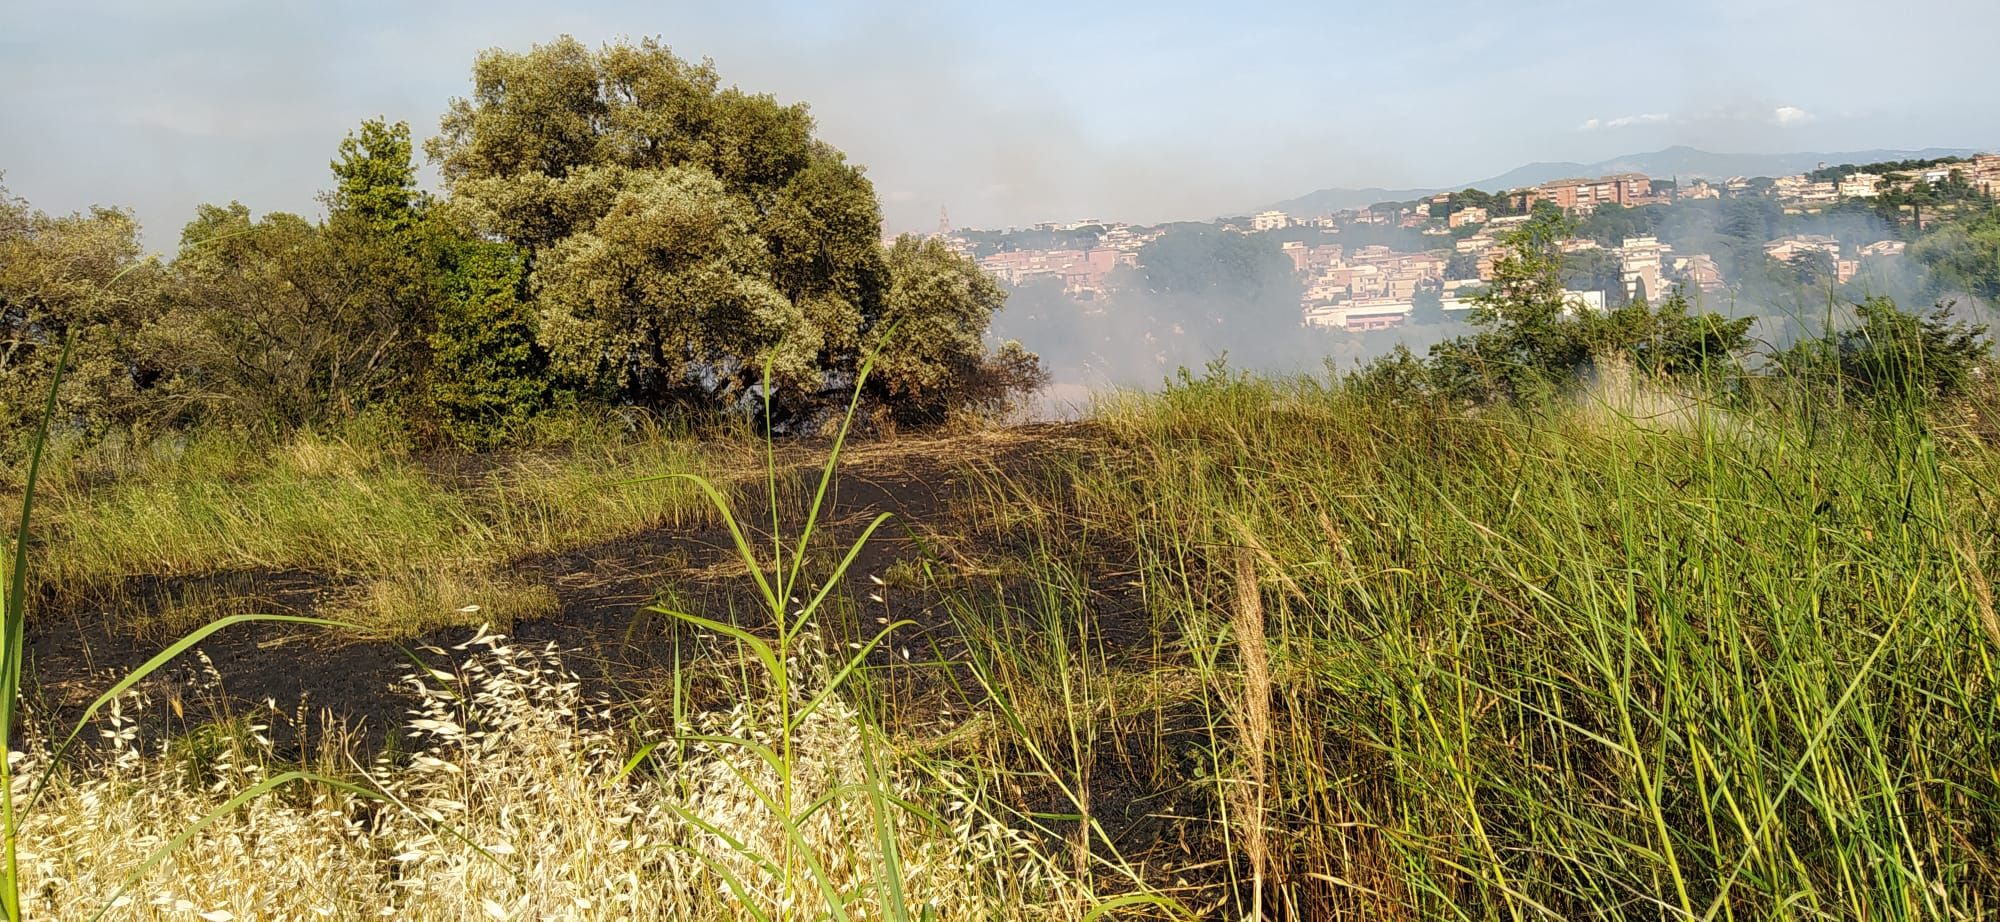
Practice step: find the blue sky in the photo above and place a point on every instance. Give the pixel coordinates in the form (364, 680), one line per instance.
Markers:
(1011, 113)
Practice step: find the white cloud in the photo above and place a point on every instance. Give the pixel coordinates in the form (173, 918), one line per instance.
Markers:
(1782, 116)
(1625, 121)
(1790, 115)
(1653, 118)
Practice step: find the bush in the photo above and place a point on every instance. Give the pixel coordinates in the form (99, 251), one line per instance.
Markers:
(489, 375)
(1892, 355)
(1535, 343)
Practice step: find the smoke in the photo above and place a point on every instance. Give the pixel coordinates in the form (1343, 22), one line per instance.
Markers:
(1199, 296)
(1137, 336)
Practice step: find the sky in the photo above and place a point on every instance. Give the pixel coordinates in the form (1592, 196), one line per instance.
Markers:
(1009, 113)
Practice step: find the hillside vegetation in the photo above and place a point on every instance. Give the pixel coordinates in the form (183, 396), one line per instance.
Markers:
(617, 230)
(618, 537)
(1631, 651)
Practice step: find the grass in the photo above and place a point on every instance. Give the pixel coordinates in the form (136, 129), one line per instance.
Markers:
(514, 800)
(1564, 663)
(1262, 649)
(781, 807)
(415, 544)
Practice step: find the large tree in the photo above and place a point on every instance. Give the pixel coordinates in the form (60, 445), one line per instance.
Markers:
(681, 236)
(670, 291)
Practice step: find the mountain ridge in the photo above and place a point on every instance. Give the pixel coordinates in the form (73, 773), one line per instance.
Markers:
(1680, 161)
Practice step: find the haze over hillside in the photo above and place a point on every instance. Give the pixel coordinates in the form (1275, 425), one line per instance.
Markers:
(1674, 162)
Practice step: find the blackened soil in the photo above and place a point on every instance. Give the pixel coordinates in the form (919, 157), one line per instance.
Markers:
(937, 561)
(604, 592)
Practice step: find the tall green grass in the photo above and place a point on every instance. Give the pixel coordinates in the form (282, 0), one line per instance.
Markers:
(1570, 662)
(792, 665)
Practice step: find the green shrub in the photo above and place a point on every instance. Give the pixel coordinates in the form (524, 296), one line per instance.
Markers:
(488, 374)
(1891, 355)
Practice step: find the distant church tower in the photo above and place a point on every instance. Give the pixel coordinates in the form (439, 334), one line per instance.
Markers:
(944, 222)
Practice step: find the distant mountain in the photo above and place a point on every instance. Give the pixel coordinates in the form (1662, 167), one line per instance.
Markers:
(1674, 162)
(1327, 201)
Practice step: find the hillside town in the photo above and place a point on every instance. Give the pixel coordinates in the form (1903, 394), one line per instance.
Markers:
(1366, 286)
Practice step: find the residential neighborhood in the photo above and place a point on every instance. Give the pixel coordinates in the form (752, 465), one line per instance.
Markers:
(1374, 286)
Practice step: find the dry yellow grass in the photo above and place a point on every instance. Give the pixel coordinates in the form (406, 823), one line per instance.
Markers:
(515, 805)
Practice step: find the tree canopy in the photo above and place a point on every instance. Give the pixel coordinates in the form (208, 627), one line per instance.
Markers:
(616, 226)
(681, 238)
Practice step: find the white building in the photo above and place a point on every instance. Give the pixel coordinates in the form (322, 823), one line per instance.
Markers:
(1859, 185)
(1640, 261)
(1270, 221)
(1360, 316)
(1592, 301)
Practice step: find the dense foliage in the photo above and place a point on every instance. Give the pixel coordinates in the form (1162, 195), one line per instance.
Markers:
(1893, 355)
(1535, 341)
(617, 227)
(56, 276)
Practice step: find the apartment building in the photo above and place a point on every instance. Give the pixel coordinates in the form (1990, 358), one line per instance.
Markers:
(1785, 249)
(1312, 260)
(1699, 189)
(1360, 316)
(1860, 185)
(1984, 174)
(1269, 221)
(1586, 195)
(1081, 271)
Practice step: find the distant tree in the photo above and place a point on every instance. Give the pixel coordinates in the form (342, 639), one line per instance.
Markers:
(1812, 269)
(1462, 266)
(1427, 308)
(1669, 340)
(1595, 270)
(1471, 198)
(1528, 348)
(1533, 342)
(1202, 260)
(1964, 256)
(1612, 225)
(1836, 173)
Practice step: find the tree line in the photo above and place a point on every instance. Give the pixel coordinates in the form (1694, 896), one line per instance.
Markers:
(615, 228)
(1533, 343)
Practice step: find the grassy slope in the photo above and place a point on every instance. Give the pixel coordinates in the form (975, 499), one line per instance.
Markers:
(1407, 663)
(1568, 664)
(414, 543)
